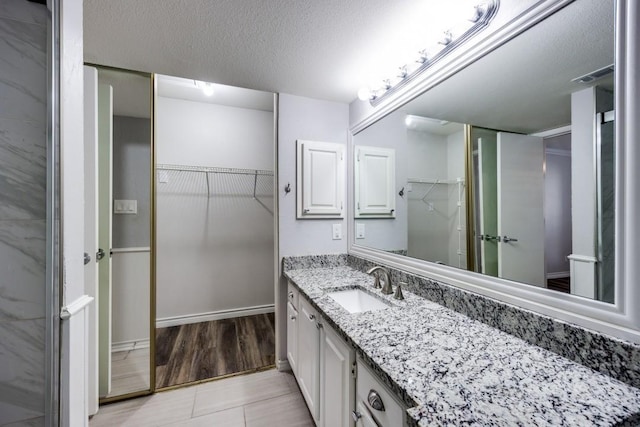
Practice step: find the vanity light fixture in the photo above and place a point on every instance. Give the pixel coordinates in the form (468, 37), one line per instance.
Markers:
(478, 18)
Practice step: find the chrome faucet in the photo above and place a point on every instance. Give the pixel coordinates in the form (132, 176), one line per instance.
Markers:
(386, 289)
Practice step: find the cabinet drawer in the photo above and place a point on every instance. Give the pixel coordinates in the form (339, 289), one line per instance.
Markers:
(393, 413)
(292, 295)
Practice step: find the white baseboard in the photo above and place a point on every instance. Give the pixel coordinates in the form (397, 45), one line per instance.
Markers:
(213, 315)
(129, 345)
(283, 365)
(558, 275)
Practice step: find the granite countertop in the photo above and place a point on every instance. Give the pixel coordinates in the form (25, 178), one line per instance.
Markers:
(458, 371)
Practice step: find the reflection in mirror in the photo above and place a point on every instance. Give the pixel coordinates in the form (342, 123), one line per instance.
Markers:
(495, 165)
(124, 212)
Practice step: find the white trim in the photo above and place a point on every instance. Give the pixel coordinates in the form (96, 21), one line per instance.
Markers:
(283, 365)
(556, 152)
(582, 258)
(130, 250)
(166, 322)
(130, 345)
(75, 307)
(550, 133)
(559, 275)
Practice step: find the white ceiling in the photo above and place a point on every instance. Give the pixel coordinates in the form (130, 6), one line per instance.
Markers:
(187, 89)
(320, 49)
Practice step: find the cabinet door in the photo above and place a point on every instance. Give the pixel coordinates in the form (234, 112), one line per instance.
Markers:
(375, 180)
(292, 337)
(337, 383)
(320, 186)
(309, 357)
(365, 419)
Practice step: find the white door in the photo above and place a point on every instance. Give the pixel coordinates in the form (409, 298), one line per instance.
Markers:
(375, 181)
(320, 179)
(105, 191)
(487, 208)
(520, 208)
(337, 383)
(309, 357)
(91, 226)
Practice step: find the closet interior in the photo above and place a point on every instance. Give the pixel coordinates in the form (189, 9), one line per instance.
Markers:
(214, 232)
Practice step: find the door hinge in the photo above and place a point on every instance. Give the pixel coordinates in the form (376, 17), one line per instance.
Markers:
(354, 370)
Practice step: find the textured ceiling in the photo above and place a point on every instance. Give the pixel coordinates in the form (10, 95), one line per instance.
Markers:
(321, 49)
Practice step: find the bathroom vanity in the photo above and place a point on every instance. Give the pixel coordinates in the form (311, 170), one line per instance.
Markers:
(426, 364)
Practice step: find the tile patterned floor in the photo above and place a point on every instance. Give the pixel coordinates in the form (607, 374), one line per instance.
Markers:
(264, 399)
(129, 371)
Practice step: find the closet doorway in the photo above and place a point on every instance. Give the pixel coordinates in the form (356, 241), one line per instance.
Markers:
(215, 231)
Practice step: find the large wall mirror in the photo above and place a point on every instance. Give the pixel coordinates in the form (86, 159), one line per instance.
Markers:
(508, 167)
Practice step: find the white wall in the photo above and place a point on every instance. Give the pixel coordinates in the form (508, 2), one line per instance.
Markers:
(214, 254)
(388, 233)
(557, 212)
(195, 133)
(130, 298)
(583, 192)
(314, 120)
(457, 217)
(433, 234)
(427, 230)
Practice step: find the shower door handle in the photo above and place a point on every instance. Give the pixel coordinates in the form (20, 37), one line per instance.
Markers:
(507, 239)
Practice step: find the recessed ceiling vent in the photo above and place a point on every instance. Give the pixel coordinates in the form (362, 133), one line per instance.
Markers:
(594, 75)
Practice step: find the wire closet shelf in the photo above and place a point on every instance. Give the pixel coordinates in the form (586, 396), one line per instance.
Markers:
(219, 182)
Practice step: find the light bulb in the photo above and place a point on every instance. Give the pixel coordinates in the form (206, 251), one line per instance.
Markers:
(207, 89)
(364, 94)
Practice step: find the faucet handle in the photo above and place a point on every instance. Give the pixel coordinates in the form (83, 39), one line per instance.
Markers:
(398, 294)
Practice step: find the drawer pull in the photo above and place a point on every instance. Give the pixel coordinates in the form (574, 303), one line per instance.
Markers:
(375, 400)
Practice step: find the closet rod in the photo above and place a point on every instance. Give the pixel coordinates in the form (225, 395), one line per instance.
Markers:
(207, 169)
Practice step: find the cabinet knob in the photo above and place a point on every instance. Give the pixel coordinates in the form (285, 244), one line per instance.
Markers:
(292, 317)
(291, 295)
(375, 400)
(356, 416)
(319, 326)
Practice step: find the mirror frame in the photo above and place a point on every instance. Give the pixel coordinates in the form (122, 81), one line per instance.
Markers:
(621, 319)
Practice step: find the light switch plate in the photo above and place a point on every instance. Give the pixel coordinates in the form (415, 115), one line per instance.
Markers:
(125, 207)
(337, 232)
(359, 230)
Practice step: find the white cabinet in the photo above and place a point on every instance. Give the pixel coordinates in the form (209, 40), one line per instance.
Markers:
(308, 374)
(375, 402)
(324, 365)
(365, 418)
(337, 380)
(375, 181)
(292, 337)
(320, 179)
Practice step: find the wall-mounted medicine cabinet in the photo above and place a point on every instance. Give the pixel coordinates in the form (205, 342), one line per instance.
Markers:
(320, 180)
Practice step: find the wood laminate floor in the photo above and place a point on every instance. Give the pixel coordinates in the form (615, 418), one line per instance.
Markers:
(200, 351)
(562, 284)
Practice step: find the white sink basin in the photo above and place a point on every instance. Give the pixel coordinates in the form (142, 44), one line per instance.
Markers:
(356, 301)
